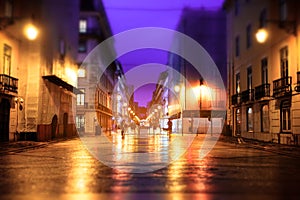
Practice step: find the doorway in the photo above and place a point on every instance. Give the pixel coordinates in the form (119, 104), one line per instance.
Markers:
(4, 120)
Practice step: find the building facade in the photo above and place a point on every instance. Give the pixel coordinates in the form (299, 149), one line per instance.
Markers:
(95, 104)
(38, 77)
(191, 103)
(263, 69)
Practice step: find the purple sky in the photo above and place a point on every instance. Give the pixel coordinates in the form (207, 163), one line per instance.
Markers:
(128, 14)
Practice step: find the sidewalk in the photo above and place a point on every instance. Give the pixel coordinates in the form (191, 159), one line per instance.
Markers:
(19, 146)
(282, 149)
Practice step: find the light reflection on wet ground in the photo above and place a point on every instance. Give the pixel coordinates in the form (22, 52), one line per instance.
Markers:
(67, 170)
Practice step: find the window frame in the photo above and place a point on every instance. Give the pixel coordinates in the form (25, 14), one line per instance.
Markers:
(249, 36)
(264, 115)
(80, 98)
(7, 54)
(82, 25)
(264, 71)
(285, 111)
(248, 118)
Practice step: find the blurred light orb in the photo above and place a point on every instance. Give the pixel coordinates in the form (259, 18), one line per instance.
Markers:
(261, 35)
(31, 32)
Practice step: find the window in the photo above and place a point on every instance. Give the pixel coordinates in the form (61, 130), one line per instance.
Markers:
(236, 7)
(238, 121)
(80, 121)
(265, 123)
(285, 115)
(249, 78)
(82, 46)
(80, 98)
(237, 83)
(263, 18)
(7, 59)
(282, 10)
(8, 8)
(264, 71)
(237, 46)
(82, 26)
(249, 119)
(81, 73)
(249, 36)
(284, 67)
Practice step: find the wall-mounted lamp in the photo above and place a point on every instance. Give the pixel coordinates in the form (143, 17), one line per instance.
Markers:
(30, 31)
(289, 26)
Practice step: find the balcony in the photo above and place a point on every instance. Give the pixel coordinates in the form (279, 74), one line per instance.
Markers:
(91, 33)
(235, 99)
(247, 96)
(262, 91)
(282, 87)
(8, 84)
(297, 88)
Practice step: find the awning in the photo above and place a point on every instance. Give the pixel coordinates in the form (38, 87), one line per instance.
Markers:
(58, 81)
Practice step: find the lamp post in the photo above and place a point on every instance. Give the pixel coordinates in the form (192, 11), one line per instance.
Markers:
(19, 103)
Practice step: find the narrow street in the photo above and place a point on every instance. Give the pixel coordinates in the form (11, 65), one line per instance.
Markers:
(67, 170)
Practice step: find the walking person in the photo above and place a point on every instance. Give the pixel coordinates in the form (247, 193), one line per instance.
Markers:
(123, 129)
(170, 124)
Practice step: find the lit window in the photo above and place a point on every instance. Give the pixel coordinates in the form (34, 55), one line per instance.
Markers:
(7, 59)
(238, 121)
(237, 83)
(80, 98)
(81, 73)
(249, 78)
(82, 26)
(249, 119)
(80, 121)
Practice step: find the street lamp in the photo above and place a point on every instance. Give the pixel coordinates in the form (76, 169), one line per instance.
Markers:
(31, 31)
(289, 26)
(261, 35)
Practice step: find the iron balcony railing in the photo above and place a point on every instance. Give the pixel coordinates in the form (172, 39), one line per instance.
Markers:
(262, 91)
(247, 96)
(297, 88)
(8, 83)
(236, 99)
(282, 87)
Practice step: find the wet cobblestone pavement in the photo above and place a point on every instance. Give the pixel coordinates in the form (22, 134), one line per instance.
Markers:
(67, 170)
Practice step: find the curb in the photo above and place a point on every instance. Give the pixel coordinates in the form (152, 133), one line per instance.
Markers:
(11, 150)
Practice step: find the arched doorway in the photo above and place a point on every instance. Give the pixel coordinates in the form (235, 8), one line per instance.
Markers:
(4, 120)
(54, 126)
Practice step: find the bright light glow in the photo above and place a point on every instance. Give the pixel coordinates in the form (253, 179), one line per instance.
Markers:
(177, 88)
(71, 75)
(261, 35)
(119, 97)
(202, 90)
(81, 73)
(31, 32)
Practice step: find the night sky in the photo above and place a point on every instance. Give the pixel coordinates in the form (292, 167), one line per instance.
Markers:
(130, 14)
